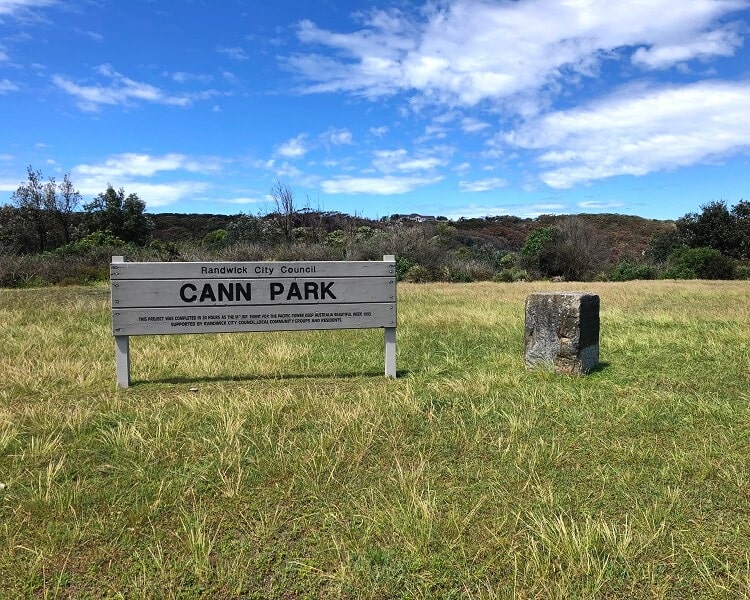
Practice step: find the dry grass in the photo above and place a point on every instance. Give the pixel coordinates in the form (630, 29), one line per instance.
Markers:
(284, 465)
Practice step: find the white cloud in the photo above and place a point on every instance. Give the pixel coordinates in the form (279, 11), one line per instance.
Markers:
(132, 171)
(122, 90)
(384, 186)
(525, 211)
(379, 131)
(719, 42)
(435, 131)
(146, 165)
(157, 195)
(337, 137)
(472, 125)
(7, 86)
(389, 161)
(294, 148)
(13, 7)
(287, 171)
(473, 211)
(9, 186)
(245, 200)
(638, 131)
(468, 51)
(235, 53)
(183, 77)
(482, 185)
(97, 37)
(599, 205)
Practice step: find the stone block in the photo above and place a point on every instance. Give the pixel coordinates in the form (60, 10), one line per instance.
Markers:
(562, 332)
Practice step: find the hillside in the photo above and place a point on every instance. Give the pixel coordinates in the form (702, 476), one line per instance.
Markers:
(628, 236)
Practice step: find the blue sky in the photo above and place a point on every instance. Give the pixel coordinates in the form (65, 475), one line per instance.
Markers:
(454, 108)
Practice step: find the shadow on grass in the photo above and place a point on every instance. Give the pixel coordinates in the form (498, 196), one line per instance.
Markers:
(602, 366)
(282, 377)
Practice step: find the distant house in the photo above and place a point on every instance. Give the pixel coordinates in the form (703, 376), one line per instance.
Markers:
(414, 217)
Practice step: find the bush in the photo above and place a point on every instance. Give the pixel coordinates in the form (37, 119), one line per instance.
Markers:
(573, 250)
(628, 270)
(93, 241)
(417, 274)
(336, 239)
(164, 251)
(699, 263)
(508, 261)
(403, 265)
(49, 269)
(215, 239)
(511, 275)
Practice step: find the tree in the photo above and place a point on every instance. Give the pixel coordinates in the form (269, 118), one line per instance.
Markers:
(245, 228)
(573, 250)
(741, 214)
(663, 244)
(282, 197)
(65, 205)
(719, 228)
(699, 263)
(120, 216)
(17, 236)
(46, 208)
(32, 198)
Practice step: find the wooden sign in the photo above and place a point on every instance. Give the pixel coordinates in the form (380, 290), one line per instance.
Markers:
(178, 298)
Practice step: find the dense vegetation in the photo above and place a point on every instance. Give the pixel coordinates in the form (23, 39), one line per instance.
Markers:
(46, 236)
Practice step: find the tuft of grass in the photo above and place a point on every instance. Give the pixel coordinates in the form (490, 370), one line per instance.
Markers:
(285, 465)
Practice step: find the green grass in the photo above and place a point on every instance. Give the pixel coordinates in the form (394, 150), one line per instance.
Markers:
(284, 465)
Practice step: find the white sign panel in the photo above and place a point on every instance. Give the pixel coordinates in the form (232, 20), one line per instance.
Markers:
(251, 292)
(150, 321)
(225, 297)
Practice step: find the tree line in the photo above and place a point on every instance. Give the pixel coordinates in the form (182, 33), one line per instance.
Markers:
(44, 215)
(48, 235)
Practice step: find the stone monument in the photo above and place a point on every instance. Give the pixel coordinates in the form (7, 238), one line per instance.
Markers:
(562, 332)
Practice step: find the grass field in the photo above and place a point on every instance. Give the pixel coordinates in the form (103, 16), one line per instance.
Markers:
(284, 465)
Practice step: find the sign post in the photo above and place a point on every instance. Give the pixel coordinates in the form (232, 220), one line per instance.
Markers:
(173, 298)
(122, 348)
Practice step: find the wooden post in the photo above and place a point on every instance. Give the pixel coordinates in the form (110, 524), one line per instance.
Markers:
(122, 349)
(390, 333)
(122, 360)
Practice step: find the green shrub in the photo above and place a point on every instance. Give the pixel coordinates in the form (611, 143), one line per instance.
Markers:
(403, 265)
(511, 275)
(95, 240)
(455, 274)
(417, 274)
(699, 263)
(537, 241)
(215, 239)
(628, 270)
(336, 239)
(508, 261)
(164, 251)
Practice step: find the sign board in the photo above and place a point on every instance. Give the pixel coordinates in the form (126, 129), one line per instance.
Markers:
(157, 298)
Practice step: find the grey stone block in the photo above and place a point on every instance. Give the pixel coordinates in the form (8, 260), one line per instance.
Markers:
(562, 332)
